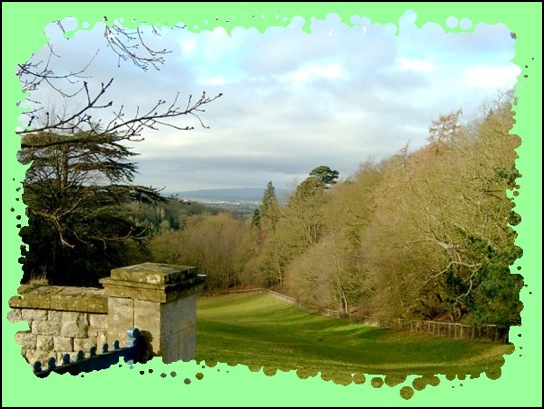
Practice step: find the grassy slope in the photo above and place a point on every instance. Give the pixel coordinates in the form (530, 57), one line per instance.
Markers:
(260, 330)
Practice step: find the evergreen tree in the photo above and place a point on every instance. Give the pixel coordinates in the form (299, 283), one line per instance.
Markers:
(76, 195)
(269, 208)
(325, 175)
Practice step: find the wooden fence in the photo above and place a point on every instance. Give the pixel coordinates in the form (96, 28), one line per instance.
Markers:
(453, 330)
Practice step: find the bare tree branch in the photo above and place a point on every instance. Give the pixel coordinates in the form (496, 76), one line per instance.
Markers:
(129, 45)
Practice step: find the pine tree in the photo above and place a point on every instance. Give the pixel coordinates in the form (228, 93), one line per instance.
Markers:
(76, 195)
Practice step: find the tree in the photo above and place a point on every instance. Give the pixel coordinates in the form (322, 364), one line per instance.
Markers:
(256, 218)
(271, 258)
(305, 212)
(269, 208)
(216, 244)
(441, 242)
(78, 184)
(444, 129)
(85, 101)
(331, 273)
(295, 227)
(325, 175)
(76, 195)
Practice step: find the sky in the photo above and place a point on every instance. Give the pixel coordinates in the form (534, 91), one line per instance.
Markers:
(345, 93)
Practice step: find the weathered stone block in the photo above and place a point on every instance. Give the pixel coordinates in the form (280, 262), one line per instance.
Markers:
(80, 299)
(44, 343)
(25, 352)
(74, 325)
(147, 317)
(84, 344)
(179, 346)
(187, 344)
(178, 315)
(98, 320)
(147, 320)
(120, 318)
(31, 300)
(59, 355)
(31, 315)
(101, 339)
(33, 356)
(15, 315)
(54, 316)
(169, 349)
(26, 339)
(70, 315)
(97, 323)
(153, 282)
(63, 344)
(72, 354)
(153, 273)
(45, 327)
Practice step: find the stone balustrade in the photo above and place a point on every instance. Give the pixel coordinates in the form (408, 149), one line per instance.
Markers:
(159, 299)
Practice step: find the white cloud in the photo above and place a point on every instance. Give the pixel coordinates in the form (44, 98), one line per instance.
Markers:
(413, 64)
(492, 77)
(314, 72)
(188, 45)
(292, 100)
(212, 81)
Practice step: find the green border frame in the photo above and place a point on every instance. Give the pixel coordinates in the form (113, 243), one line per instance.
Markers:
(520, 382)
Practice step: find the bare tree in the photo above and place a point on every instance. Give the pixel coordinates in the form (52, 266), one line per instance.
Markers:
(99, 114)
(80, 175)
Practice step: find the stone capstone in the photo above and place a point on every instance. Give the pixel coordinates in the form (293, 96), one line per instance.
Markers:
(80, 299)
(154, 282)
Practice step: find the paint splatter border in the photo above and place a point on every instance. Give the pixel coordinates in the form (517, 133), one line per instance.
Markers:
(222, 385)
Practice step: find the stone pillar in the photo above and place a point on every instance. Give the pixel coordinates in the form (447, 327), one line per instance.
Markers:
(159, 300)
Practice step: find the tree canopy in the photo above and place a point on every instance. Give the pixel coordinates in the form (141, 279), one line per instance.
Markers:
(78, 186)
(423, 234)
(325, 175)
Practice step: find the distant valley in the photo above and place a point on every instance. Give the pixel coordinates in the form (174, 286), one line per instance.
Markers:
(242, 201)
(230, 195)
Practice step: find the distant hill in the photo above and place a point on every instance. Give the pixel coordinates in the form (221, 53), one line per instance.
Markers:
(231, 195)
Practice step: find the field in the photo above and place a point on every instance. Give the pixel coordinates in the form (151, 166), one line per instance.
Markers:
(262, 331)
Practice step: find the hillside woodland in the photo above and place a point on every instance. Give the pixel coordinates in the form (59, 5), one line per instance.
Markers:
(428, 233)
(425, 234)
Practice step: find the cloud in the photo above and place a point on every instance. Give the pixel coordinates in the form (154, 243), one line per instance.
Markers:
(490, 77)
(212, 81)
(188, 46)
(312, 73)
(294, 100)
(414, 64)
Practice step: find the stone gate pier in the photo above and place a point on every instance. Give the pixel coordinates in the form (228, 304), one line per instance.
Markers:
(158, 299)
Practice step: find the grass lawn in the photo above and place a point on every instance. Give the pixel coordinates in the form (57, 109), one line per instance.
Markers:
(259, 330)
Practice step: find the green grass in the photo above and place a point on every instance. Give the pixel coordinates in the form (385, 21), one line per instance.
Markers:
(262, 331)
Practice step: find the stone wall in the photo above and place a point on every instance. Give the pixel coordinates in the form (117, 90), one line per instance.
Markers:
(158, 299)
(62, 320)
